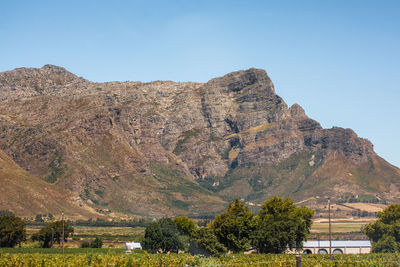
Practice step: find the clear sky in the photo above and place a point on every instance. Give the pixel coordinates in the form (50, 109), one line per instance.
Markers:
(340, 60)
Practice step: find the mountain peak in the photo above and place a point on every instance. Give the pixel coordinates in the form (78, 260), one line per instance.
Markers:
(26, 82)
(236, 81)
(296, 111)
(191, 147)
(55, 69)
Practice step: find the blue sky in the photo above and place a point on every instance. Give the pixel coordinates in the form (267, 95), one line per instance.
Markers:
(340, 60)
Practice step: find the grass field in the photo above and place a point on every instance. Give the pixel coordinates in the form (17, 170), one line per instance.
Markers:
(337, 227)
(370, 207)
(96, 231)
(113, 237)
(109, 233)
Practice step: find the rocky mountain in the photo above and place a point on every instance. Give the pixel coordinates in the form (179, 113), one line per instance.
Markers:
(164, 148)
(28, 195)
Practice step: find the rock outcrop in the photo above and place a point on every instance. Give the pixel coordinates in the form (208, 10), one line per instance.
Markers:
(190, 146)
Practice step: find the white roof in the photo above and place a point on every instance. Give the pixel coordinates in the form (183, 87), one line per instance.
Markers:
(337, 243)
(133, 245)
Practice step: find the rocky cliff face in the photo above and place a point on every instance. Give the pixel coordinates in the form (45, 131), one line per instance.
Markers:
(190, 146)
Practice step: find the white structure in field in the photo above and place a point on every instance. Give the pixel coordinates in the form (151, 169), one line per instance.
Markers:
(338, 247)
(132, 245)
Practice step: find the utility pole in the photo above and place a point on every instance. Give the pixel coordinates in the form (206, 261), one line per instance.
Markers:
(298, 261)
(62, 234)
(330, 229)
(52, 236)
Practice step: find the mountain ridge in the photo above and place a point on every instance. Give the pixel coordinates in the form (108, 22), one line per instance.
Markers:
(189, 146)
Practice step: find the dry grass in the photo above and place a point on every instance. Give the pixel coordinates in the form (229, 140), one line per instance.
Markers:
(121, 231)
(366, 206)
(27, 195)
(337, 227)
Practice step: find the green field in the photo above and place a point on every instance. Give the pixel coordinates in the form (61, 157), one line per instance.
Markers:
(141, 258)
(110, 233)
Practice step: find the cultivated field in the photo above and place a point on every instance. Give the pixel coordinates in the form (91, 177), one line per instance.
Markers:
(141, 258)
(337, 227)
(370, 207)
(113, 237)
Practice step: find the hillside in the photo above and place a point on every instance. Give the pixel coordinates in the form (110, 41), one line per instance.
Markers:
(165, 148)
(27, 195)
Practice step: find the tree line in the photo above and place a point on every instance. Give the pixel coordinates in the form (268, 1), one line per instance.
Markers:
(279, 225)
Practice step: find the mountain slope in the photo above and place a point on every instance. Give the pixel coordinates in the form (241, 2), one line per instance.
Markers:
(180, 148)
(27, 195)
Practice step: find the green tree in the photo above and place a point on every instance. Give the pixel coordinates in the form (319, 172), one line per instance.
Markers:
(280, 224)
(201, 240)
(12, 231)
(185, 225)
(52, 233)
(163, 236)
(96, 243)
(206, 242)
(85, 244)
(387, 244)
(234, 227)
(385, 232)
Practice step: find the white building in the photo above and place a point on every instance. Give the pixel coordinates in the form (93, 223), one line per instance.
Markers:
(132, 245)
(338, 247)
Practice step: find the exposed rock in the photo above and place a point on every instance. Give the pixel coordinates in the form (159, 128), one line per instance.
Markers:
(112, 137)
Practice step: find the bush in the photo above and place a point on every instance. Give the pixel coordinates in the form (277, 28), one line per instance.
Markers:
(97, 243)
(85, 244)
(387, 244)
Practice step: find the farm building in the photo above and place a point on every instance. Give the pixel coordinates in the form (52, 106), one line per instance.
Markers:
(338, 247)
(132, 245)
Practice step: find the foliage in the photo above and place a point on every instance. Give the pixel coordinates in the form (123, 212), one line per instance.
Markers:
(85, 244)
(387, 244)
(96, 243)
(84, 257)
(183, 139)
(163, 236)
(6, 213)
(385, 232)
(52, 233)
(234, 227)
(103, 223)
(201, 240)
(206, 242)
(12, 231)
(185, 225)
(39, 218)
(390, 214)
(58, 250)
(280, 224)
